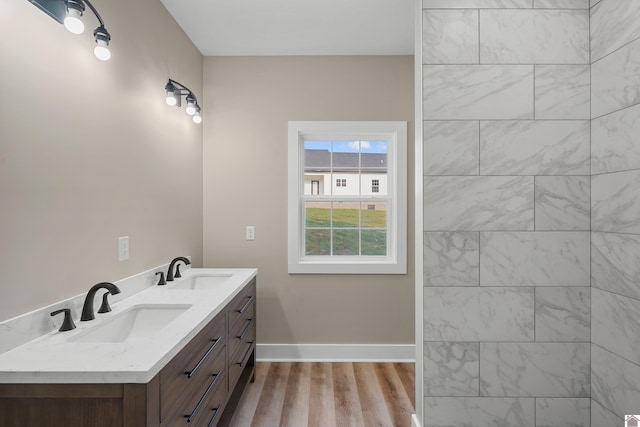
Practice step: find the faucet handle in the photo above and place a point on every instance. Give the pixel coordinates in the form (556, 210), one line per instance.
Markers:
(177, 275)
(67, 323)
(161, 282)
(105, 307)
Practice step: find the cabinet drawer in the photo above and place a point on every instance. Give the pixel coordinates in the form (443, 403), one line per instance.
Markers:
(191, 367)
(214, 409)
(241, 303)
(241, 330)
(238, 359)
(203, 403)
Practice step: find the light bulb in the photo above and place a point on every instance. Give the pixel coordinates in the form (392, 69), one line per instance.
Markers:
(102, 37)
(191, 104)
(171, 94)
(73, 21)
(102, 51)
(197, 118)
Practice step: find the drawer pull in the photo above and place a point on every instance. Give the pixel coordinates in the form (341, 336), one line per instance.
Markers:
(192, 372)
(215, 415)
(246, 329)
(245, 354)
(244, 307)
(193, 413)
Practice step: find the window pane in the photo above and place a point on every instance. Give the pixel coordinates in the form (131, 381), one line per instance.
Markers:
(373, 184)
(346, 215)
(313, 185)
(374, 214)
(374, 242)
(317, 242)
(345, 242)
(346, 167)
(346, 147)
(317, 214)
(374, 156)
(317, 166)
(345, 184)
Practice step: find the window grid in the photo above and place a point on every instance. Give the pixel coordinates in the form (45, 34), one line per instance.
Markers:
(363, 205)
(374, 223)
(358, 200)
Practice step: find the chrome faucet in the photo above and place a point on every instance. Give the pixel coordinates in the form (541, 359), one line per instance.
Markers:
(87, 308)
(170, 274)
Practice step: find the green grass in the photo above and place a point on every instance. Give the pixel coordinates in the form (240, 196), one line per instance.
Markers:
(345, 242)
(318, 217)
(345, 218)
(374, 242)
(346, 235)
(318, 242)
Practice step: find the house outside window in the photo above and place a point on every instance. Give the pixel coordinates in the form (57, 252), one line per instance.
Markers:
(358, 226)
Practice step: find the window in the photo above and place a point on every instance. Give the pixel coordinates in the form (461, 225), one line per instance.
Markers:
(358, 226)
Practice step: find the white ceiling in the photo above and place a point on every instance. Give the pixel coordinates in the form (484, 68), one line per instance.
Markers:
(297, 27)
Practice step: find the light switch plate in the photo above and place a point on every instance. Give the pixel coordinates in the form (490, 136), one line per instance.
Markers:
(123, 248)
(251, 232)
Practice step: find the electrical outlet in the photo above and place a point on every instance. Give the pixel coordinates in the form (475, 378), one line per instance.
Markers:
(251, 232)
(123, 248)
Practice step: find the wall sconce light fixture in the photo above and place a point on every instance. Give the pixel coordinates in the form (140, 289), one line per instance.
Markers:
(69, 13)
(175, 91)
(73, 23)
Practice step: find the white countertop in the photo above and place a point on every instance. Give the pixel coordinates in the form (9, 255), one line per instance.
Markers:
(56, 358)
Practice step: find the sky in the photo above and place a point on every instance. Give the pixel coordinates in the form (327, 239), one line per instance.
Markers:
(348, 146)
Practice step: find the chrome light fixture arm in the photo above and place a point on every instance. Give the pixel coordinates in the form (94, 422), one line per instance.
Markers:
(95, 12)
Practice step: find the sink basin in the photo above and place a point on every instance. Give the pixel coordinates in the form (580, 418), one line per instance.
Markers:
(200, 281)
(136, 322)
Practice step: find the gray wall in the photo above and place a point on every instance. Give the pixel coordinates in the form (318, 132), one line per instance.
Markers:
(615, 215)
(506, 213)
(89, 151)
(249, 102)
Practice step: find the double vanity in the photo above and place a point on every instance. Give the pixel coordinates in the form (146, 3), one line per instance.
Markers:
(172, 355)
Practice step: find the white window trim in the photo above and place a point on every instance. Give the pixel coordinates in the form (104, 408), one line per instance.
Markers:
(396, 260)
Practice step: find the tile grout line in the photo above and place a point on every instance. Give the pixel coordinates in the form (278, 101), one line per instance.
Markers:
(590, 226)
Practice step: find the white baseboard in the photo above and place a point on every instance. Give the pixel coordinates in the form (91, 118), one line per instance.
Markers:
(335, 353)
(414, 421)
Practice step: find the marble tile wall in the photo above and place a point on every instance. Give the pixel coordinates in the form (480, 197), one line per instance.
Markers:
(562, 92)
(614, 144)
(479, 411)
(507, 213)
(526, 36)
(563, 412)
(534, 147)
(490, 92)
(545, 258)
(614, 23)
(615, 210)
(535, 369)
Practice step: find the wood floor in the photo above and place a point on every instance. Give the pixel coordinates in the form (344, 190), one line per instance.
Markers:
(328, 395)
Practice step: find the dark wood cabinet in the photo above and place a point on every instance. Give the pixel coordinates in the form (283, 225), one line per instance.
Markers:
(200, 386)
